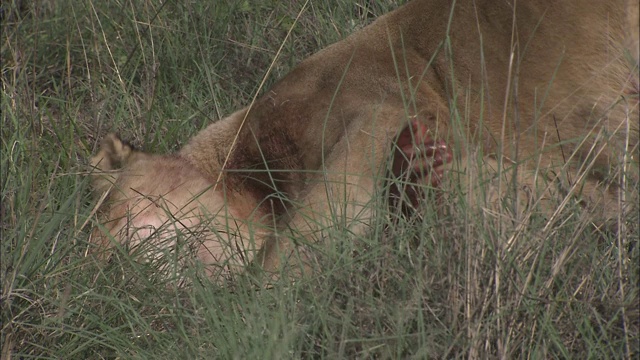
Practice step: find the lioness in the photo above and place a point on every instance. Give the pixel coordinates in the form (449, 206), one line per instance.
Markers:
(546, 87)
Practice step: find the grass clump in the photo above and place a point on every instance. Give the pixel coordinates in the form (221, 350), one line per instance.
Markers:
(467, 281)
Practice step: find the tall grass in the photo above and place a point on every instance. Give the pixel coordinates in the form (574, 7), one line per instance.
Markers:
(467, 281)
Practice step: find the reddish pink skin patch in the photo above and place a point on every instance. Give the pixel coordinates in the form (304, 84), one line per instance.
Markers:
(418, 160)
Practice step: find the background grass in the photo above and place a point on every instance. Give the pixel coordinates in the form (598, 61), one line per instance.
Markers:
(464, 282)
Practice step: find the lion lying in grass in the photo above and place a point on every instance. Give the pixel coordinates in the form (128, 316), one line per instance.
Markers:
(547, 90)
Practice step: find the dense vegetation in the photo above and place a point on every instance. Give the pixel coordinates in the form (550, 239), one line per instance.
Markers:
(464, 282)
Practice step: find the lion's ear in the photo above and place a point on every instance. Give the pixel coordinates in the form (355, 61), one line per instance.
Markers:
(114, 154)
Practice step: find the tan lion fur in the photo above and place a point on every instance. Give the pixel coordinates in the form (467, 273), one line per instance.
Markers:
(545, 85)
(181, 200)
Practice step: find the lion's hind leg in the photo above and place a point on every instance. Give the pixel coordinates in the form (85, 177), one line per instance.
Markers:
(418, 163)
